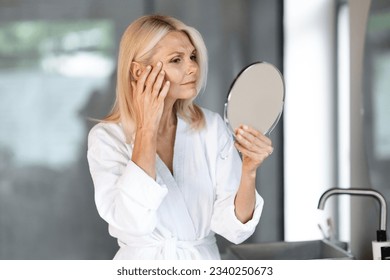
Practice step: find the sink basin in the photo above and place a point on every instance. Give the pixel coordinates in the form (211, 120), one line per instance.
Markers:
(299, 250)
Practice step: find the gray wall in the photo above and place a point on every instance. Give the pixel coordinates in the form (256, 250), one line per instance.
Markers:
(47, 209)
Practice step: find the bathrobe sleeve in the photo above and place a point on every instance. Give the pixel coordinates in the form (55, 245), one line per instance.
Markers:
(228, 176)
(125, 196)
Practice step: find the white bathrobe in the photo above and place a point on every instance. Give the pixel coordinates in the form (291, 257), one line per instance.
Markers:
(174, 216)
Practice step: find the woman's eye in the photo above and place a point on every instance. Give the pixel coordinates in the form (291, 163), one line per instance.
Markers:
(193, 57)
(176, 60)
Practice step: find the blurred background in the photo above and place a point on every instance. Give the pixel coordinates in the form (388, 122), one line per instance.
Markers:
(57, 70)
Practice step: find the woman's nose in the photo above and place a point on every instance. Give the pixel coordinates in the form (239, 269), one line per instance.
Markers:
(192, 67)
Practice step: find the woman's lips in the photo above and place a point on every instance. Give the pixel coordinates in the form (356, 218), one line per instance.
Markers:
(188, 83)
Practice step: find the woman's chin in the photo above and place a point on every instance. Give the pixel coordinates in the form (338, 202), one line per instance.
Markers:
(185, 94)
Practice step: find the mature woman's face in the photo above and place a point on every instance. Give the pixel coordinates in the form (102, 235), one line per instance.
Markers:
(178, 56)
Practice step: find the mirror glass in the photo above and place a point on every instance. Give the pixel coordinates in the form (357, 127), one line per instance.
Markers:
(256, 98)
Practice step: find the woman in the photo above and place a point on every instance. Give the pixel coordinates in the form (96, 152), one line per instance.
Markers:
(160, 180)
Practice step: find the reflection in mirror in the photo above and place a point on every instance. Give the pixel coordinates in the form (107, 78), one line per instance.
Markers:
(256, 98)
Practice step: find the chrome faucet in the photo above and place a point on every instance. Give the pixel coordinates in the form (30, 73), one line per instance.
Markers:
(381, 234)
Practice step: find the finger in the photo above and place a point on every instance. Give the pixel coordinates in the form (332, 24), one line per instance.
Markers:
(254, 141)
(249, 143)
(158, 84)
(141, 81)
(164, 91)
(244, 140)
(256, 133)
(253, 155)
(152, 77)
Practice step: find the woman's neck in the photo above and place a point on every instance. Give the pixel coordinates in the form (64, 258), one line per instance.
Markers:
(168, 119)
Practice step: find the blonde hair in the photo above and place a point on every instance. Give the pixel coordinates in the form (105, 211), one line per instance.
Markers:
(136, 45)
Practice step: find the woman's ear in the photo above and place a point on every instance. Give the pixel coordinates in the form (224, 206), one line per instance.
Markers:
(136, 70)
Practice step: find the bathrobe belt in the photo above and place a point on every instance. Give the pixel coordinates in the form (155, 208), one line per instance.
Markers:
(170, 245)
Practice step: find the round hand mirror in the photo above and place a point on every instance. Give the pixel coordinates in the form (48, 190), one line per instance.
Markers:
(256, 98)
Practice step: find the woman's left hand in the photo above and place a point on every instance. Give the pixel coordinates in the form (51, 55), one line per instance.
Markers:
(254, 147)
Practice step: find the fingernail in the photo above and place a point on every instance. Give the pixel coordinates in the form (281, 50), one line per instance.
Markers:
(241, 131)
(159, 63)
(245, 127)
(148, 67)
(162, 73)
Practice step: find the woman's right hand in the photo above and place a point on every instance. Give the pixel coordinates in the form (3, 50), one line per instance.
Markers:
(149, 93)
